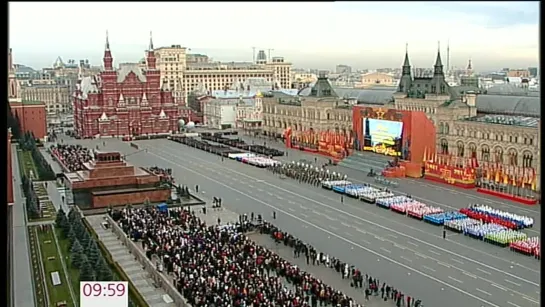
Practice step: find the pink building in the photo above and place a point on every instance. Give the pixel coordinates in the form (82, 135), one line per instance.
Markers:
(124, 102)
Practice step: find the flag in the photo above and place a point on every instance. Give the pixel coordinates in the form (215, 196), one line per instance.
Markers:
(425, 153)
(497, 176)
(534, 185)
(505, 179)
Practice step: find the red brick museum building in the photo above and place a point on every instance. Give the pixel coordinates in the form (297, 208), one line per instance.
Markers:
(128, 101)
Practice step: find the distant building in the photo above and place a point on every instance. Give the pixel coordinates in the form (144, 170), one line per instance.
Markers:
(469, 81)
(183, 73)
(31, 114)
(196, 58)
(302, 80)
(249, 114)
(533, 71)
(126, 102)
(521, 73)
(343, 69)
(377, 79)
(57, 98)
(220, 113)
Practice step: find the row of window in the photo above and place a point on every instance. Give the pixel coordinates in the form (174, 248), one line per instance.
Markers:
(426, 110)
(497, 156)
(496, 136)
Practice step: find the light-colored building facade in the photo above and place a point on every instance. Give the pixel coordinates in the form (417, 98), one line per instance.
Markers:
(183, 72)
(57, 98)
(504, 132)
(249, 114)
(281, 72)
(172, 63)
(520, 73)
(220, 113)
(321, 110)
(301, 80)
(377, 79)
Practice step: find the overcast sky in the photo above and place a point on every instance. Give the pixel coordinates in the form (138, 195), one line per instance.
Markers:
(311, 35)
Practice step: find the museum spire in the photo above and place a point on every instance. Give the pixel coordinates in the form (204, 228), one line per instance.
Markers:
(151, 54)
(108, 60)
(107, 41)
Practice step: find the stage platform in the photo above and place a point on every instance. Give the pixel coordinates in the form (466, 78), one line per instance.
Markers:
(518, 199)
(364, 161)
(458, 184)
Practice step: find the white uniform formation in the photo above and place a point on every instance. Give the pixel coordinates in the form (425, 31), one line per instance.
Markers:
(525, 221)
(253, 159)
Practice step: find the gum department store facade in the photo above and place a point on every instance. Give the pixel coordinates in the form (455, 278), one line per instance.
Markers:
(492, 128)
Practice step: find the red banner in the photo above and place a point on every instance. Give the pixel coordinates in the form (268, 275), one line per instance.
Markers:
(451, 174)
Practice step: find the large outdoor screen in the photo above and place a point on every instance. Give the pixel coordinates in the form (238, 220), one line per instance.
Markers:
(382, 136)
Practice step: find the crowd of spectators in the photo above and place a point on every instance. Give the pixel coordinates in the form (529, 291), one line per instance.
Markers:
(72, 156)
(219, 265)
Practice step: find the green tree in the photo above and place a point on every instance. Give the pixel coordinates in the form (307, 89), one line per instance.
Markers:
(86, 272)
(71, 236)
(80, 231)
(92, 251)
(103, 271)
(74, 215)
(61, 221)
(76, 255)
(85, 239)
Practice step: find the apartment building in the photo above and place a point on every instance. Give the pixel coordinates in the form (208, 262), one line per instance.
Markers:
(182, 72)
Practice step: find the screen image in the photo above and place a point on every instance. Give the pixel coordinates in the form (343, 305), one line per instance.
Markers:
(382, 136)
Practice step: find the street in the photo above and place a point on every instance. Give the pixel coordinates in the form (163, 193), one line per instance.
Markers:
(409, 254)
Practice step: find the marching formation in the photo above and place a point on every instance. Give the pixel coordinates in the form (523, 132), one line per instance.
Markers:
(305, 173)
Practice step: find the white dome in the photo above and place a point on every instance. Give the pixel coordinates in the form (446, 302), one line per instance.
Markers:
(181, 123)
(190, 125)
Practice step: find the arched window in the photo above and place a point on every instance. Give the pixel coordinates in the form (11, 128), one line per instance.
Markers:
(472, 150)
(441, 128)
(513, 157)
(498, 155)
(444, 147)
(460, 148)
(485, 153)
(447, 128)
(527, 159)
